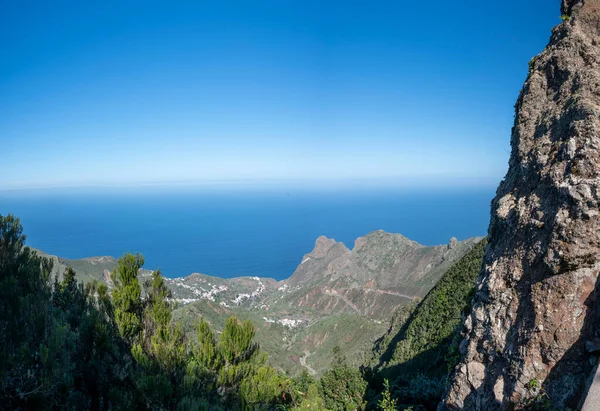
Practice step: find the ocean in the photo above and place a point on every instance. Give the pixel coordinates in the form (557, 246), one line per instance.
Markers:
(230, 232)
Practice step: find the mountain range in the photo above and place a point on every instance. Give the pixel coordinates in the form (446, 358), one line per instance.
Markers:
(336, 296)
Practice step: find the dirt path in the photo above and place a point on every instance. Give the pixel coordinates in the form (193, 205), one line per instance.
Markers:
(334, 293)
(410, 297)
(305, 364)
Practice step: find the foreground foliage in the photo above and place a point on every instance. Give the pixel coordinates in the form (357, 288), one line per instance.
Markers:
(69, 346)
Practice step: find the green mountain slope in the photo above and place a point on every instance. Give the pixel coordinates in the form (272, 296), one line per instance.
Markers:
(422, 343)
(292, 348)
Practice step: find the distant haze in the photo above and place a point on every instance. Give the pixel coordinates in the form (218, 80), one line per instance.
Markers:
(234, 232)
(103, 93)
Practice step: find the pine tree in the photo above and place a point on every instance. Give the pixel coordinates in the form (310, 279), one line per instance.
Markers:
(236, 341)
(206, 351)
(386, 403)
(64, 345)
(126, 296)
(164, 342)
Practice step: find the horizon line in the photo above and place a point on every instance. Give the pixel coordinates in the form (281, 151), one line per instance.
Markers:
(390, 182)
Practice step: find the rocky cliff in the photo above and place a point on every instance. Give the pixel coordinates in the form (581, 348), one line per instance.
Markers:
(536, 301)
(382, 272)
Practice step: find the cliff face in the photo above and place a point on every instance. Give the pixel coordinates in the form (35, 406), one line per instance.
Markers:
(379, 259)
(382, 272)
(536, 301)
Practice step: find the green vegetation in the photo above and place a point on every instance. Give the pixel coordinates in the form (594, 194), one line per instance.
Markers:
(565, 17)
(533, 385)
(537, 399)
(343, 387)
(60, 346)
(421, 347)
(298, 326)
(438, 317)
(386, 403)
(306, 393)
(313, 341)
(66, 345)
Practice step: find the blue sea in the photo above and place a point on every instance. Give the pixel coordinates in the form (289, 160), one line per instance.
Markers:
(229, 232)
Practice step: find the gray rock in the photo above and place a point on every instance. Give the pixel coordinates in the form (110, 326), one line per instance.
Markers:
(535, 305)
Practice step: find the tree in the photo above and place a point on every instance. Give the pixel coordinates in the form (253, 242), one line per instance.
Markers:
(167, 342)
(305, 393)
(58, 348)
(126, 296)
(343, 387)
(164, 352)
(28, 337)
(386, 403)
(236, 341)
(206, 351)
(64, 345)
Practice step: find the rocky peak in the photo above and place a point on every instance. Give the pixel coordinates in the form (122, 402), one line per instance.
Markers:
(381, 237)
(567, 6)
(322, 246)
(587, 12)
(536, 301)
(382, 270)
(324, 260)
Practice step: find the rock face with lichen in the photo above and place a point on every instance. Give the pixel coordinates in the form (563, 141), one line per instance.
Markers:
(536, 302)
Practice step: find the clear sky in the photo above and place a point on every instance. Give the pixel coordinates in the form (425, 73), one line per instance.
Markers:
(103, 92)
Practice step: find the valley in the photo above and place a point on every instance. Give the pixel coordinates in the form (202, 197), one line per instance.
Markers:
(336, 296)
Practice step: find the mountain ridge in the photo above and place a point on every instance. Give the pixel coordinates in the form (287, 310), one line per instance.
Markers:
(336, 296)
(327, 249)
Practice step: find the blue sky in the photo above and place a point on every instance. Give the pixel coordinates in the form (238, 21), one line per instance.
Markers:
(110, 93)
